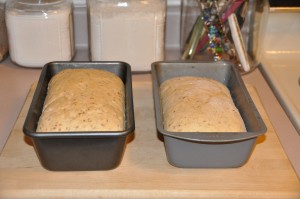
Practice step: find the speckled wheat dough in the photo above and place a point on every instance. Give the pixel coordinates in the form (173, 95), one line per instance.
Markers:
(83, 100)
(196, 104)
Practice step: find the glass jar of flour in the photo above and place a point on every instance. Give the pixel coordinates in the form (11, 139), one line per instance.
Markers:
(127, 30)
(39, 31)
(3, 34)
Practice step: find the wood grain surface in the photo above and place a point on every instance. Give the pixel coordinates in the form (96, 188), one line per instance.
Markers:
(144, 171)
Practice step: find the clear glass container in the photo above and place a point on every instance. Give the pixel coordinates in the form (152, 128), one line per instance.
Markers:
(254, 27)
(228, 30)
(132, 31)
(40, 31)
(3, 33)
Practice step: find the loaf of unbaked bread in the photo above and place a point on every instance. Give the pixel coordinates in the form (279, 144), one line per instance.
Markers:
(83, 100)
(197, 104)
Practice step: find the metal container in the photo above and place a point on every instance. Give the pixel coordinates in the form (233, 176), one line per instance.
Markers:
(203, 149)
(79, 151)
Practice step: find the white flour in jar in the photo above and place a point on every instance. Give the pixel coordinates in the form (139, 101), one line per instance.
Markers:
(35, 40)
(132, 32)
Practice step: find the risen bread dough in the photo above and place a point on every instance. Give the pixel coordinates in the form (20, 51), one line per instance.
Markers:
(83, 100)
(196, 104)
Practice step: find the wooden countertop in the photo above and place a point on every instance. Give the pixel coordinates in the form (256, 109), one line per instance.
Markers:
(144, 171)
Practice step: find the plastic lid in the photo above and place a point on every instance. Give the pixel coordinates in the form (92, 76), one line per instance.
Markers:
(31, 6)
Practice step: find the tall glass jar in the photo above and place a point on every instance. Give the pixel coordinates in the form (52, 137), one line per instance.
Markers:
(40, 31)
(3, 33)
(127, 30)
(229, 30)
(254, 27)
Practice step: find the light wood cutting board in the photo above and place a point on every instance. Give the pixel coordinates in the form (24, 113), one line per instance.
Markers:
(144, 171)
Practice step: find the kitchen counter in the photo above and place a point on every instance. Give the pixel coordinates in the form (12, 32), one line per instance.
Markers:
(144, 171)
(15, 83)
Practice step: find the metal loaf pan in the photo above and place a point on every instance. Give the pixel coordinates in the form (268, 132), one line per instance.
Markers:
(203, 149)
(79, 151)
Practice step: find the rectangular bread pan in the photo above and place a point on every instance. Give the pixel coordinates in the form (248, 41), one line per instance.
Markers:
(79, 151)
(208, 149)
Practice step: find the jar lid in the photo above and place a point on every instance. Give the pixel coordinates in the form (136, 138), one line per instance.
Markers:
(37, 6)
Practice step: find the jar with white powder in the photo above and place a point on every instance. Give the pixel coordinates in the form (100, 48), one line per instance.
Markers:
(3, 34)
(40, 31)
(127, 30)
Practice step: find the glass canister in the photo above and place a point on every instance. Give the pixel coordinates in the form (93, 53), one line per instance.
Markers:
(40, 31)
(228, 30)
(3, 33)
(254, 18)
(132, 31)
